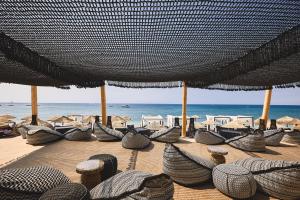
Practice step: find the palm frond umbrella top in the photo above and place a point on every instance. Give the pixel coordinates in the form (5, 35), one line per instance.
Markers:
(234, 124)
(54, 117)
(7, 116)
(88, 119)
(208, 122)
(285, 120)
(295, 121)
(5, 120)
(120, 119)
(62, 119)
(297, 127)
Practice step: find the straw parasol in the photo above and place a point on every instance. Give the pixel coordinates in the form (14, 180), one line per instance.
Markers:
(297, 127)
(88, 119)
(295, 121)
(199, 125)
(5, 120)
(285, 120)
(62, 119)
(54, 117)
(234, 124)
(7, 116)
(208, 122)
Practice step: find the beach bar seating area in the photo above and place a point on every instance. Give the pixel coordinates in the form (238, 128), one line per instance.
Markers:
(217, 45)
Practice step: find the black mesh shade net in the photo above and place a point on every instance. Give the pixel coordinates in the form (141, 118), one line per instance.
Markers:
(218, 44)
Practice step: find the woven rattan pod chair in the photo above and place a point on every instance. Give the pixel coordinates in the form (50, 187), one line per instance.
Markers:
(292, 137)
(280, 179)
(110, 165)
(251, 142)
(134, 140)
(184, 168)
(106, 134)
(135, 185)
(77, 134)
(234, 181)
(208, 137)
(169, 135)
(67, 191)
(273, 137)
(29, 183)
(42, 135)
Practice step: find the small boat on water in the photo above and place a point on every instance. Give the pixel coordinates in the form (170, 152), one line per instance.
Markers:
(125, 106)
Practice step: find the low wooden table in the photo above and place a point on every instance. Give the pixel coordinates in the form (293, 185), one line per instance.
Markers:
(90, 171)
(217, 154)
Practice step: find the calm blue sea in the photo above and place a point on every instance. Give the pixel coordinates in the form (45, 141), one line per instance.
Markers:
(135, 111)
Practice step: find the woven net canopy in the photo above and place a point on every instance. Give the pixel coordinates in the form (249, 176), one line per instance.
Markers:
(216, 44)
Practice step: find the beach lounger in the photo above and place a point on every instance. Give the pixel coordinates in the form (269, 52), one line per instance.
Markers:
(106, 134)
(77, 134)
(29, 183)
(208, 137)
(278, 178)
(42, 135)
(135, 185)
(134, 140)
(251, 142)
(273, 137)
(68, 191)
(168, 135)
(184, 168)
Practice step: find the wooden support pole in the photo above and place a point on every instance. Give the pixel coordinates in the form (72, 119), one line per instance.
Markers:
(34, 106)
(184, 98)
(103, 105)
(266, 108)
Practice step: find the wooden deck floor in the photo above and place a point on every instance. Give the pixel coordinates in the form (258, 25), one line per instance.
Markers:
(64, 155)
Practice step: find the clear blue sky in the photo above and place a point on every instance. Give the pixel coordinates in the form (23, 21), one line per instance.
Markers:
(21, 93)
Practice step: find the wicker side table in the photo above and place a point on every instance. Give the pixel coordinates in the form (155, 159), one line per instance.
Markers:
(90, 171)
(217, 154)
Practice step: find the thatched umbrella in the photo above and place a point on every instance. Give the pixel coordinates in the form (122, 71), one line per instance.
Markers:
(297, 127)
(234, 124)
(54, 117)
(208, 122)
(7, 116)
(88, 119)
(295, 121)
(285, 120)
(199, 125)
(27, 120)
(62, 119)
(119, 121)
(5, 120)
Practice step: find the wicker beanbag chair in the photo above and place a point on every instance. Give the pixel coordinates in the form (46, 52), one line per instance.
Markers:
(134, 185)
(234, 181)
(42, 135)
(185, 168)
(78, 134)
(208, 137)
(169, 135)
(29, 183)
(135, 141)
(292, 137)
(110, 165)
(251, 142)
(280, 179)
(106, 134)
(68, 191)
(273, 137)
(23, 129)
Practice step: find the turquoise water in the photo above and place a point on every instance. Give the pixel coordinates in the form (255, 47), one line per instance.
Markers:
(135, 111)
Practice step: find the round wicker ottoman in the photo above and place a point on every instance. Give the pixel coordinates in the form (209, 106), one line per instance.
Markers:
(67, 191)
(90, 171)
(110, 165)
(217, 154)
(234, 181)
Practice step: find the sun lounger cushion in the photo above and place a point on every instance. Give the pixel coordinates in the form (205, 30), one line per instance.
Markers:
(251, 142)
(184, 168)
(234, 181)
(208, 137)
(280, 179)
(29, 183)
(273, 137)
(106, 134)
(110, 165)
(135, 141)
(68, 191)
(77, 134)
(169, 135)
(42, 135)
(134, 185)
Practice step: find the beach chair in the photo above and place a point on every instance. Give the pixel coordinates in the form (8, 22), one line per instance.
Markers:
(41, 135)
(273, 137)
(167, 135)
(185, 168)
(77, 134)
(278, 178)
(106, 134)
(208, 137)
(134, 140)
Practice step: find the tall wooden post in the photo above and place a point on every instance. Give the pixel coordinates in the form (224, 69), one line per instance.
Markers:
(103, 104)
(267, 102)
(34, 109)
(184, 98)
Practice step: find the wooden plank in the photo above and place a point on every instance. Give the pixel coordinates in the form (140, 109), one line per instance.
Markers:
(103, 105)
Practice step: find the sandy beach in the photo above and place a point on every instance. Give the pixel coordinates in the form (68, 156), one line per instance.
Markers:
(13, 148)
